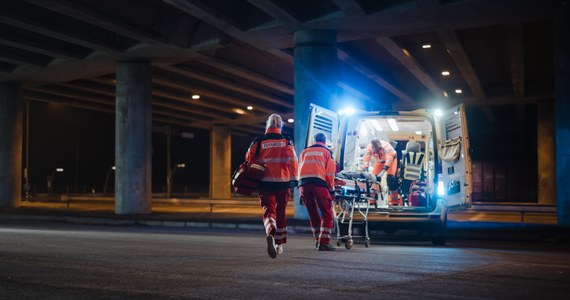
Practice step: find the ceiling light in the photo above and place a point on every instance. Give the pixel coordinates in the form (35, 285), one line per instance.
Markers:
(59, 170)
(290, 120)
(376, 125)
(438, 113)
(426, 46)
(445, 73)
(445, 94)
(418, 132)
(195, 97)
(239, 111)
(393, 125)
(458, 91)
(406, 52)
(249, 107)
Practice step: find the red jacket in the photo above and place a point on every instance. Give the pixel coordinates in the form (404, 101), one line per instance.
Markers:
(386, 156)
(316, 165)
(278, 154)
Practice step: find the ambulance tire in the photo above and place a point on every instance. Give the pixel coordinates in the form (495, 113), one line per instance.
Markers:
(438, 235)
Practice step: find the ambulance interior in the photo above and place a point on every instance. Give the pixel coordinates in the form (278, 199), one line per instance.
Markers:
(414, 132)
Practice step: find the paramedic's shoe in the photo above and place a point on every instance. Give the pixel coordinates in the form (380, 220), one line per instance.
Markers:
(327, 247)
(279, 249)
(271, 247)
(317, 245)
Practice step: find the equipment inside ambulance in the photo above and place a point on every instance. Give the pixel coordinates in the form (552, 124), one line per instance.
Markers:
(434, 165)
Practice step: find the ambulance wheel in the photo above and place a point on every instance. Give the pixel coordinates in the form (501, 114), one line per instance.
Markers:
(438, 241)
(349, 244)
(367, 243)
(438, 235)
(339, 243)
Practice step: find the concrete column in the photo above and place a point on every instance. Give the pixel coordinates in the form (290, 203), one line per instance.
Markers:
(546, 154)
(220, 162)
(316, 76)
(562, 110)
(133, 138)
(10, 145)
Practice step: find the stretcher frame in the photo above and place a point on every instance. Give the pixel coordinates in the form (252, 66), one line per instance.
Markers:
(353, 195)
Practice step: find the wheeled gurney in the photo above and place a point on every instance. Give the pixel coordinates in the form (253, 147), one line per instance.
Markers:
(354, 192)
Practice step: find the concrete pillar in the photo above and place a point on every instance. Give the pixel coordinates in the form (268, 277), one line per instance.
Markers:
(316, 76)
(10, 145)
(546, 154)
(562, 110)
(133, 138)
(220, 162)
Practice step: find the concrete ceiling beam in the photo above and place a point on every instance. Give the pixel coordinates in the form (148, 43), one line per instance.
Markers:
(372, 75)
(226, 84)
(459, 56)
(410, 64)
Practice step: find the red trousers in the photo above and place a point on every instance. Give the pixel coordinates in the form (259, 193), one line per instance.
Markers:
(317, 197)
(274, 205)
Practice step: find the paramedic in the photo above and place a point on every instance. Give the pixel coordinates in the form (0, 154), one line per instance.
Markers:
(385, 162)
(316, 186)
(278, 154)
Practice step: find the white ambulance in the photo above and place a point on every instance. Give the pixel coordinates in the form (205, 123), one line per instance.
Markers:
(443, 143)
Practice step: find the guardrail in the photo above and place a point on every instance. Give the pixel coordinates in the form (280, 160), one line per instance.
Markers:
(211, 203)
(521, 208)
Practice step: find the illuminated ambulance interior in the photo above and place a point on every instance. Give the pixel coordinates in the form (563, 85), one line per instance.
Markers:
(414, 132)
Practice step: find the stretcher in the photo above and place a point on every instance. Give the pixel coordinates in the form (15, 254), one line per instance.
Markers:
(354, 194)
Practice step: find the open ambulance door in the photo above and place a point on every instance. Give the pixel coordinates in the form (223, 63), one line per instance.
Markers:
(325, 121)
(455, 159)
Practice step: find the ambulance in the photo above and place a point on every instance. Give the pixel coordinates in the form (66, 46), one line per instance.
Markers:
(442, 181)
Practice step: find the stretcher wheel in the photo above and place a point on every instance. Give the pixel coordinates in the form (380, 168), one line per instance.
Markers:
(349, 244)
(367, 243)
(338, 243)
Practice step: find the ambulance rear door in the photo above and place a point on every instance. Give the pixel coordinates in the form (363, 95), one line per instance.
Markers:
(322, 120)
(455, 177)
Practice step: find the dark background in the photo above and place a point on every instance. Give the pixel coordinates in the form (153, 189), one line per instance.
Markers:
(82, 142)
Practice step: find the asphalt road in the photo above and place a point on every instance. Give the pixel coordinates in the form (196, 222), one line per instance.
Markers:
(63, 261)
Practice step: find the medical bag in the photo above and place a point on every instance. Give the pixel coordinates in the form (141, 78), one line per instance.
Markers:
(247, 177)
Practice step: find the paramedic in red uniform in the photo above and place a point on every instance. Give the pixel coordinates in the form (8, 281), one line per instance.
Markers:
(316, 186)
(278, 154)
(385, 162)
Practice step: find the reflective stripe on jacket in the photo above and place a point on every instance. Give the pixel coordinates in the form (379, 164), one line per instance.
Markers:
(413, 165)
(278, 154)
(384, 157)
(316, 165)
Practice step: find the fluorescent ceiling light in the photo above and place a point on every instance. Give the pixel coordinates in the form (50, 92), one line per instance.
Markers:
(181, 166)
(393, 125)
(445, 73)
(418, 132)
(249, 107)
(458, 91)
(195, 97)
(59, 170)
(426, 46)
(376, 125)
(290, 120)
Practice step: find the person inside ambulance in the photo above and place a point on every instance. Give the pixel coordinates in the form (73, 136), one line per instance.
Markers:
(278, 155)
(385, 162)
(316, 186)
